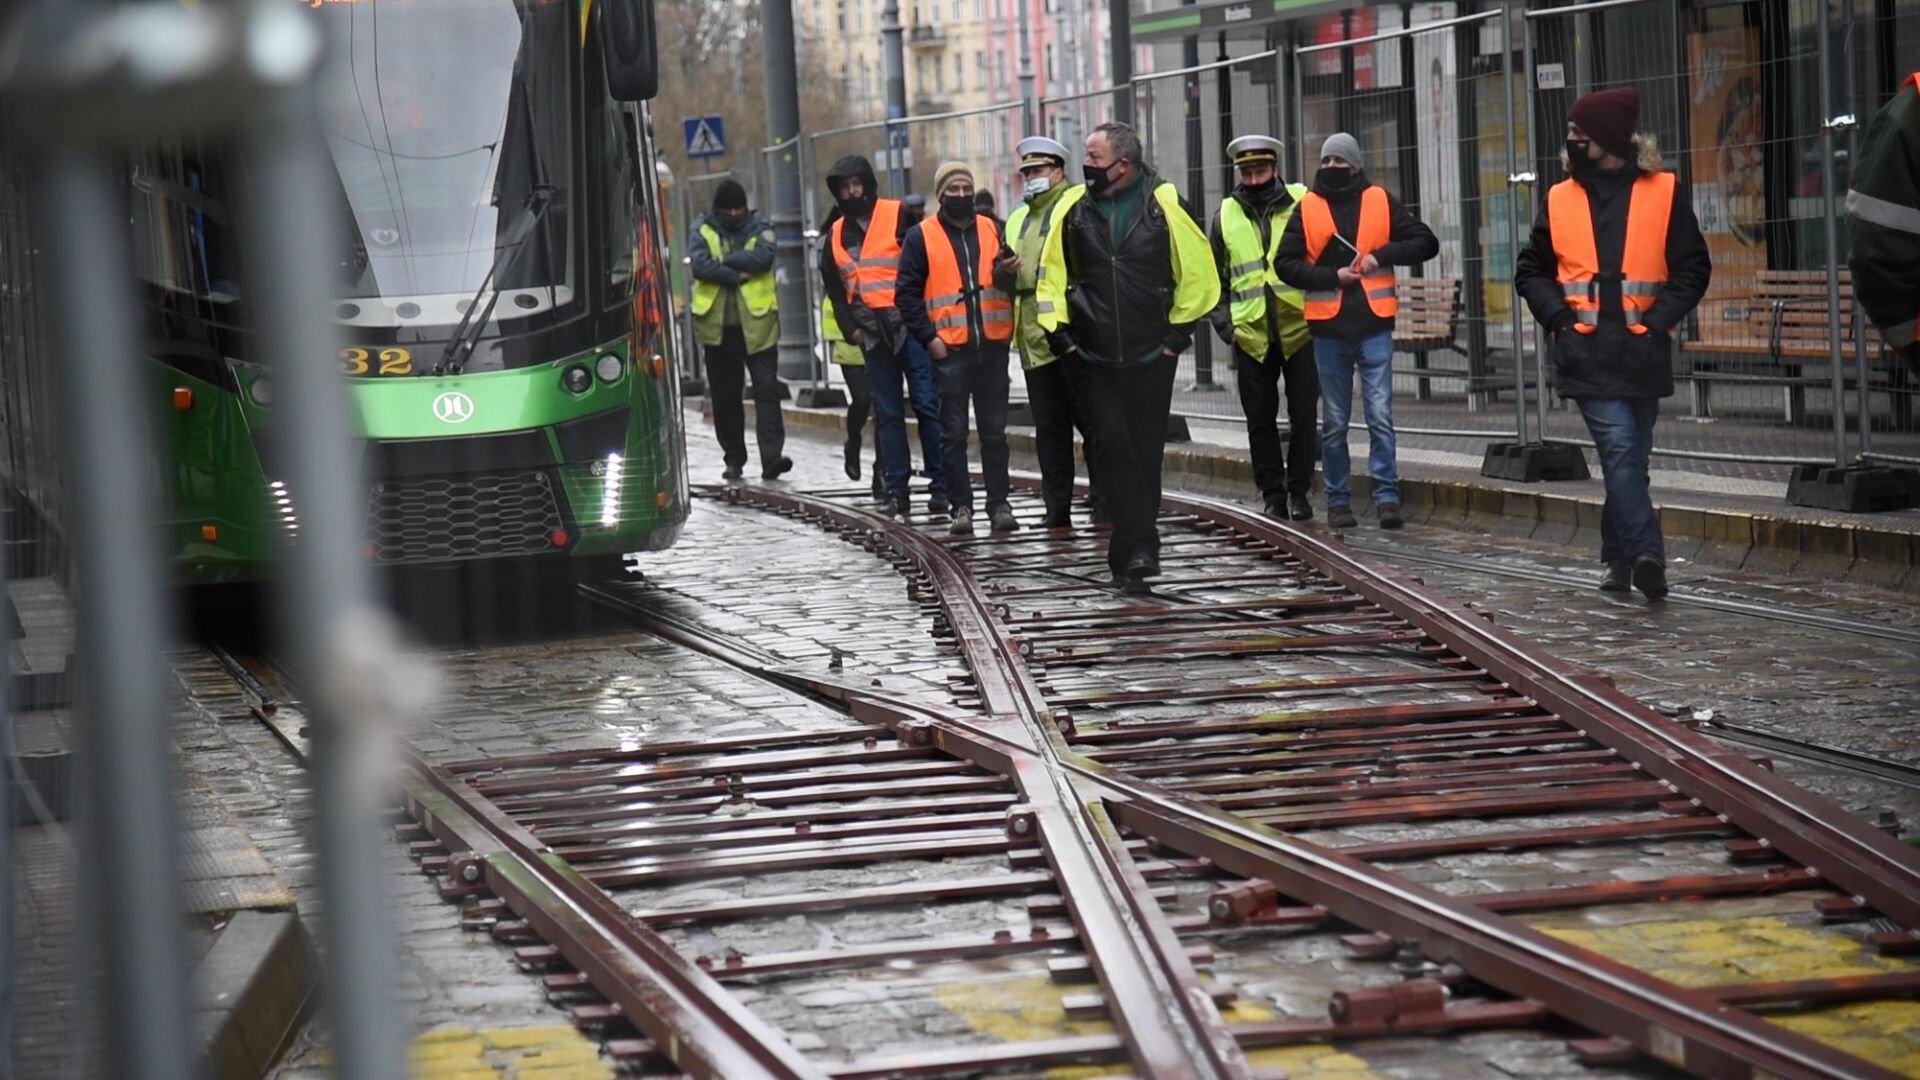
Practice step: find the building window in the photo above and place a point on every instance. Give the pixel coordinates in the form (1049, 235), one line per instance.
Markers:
(959, 73)
(840, 18)
(1051, 76)
(959, 10)
(980, 70)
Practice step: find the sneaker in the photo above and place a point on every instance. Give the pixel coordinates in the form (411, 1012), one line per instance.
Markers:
(1650, 576)
(1389, 515)
(1003, 519)
(853, 459)
(1340, 516)
(937, 504)
(962, 521)
(1298, 508)
(1619, 579)
(732, 474)
(777, 468)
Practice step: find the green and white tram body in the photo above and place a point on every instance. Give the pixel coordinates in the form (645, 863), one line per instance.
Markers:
(501, 286)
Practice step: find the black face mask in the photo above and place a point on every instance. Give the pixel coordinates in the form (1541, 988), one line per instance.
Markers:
(1261, 190)
(733, 219)
(1334, 178)
(1578, 163)
(1098, 178)
(857, 207)
(957, 208)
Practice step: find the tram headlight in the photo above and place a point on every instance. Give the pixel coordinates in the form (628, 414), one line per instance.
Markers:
(609, 367)
(261, 391)
(576, 379)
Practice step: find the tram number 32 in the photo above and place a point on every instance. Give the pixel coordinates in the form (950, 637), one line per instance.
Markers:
(356, 361)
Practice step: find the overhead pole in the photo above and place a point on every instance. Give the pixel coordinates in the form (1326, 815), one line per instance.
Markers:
(1120, 15)
(796, 356)
(899, 175)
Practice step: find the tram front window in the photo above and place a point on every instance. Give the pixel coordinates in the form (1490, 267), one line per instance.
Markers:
(452, 120)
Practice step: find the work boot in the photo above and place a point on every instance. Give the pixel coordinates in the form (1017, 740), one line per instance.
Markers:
(899, 506)
(1298, 508)
(1650, 576)
(1619, 579)
(1003, 519)
(732, 475)
(1058, 517)
(1340, 516)
(775, 469)
(853, 459)
(1390, 515)
(937, 504)
(962, 521)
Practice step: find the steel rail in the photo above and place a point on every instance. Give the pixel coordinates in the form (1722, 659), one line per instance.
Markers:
(1679, 1026)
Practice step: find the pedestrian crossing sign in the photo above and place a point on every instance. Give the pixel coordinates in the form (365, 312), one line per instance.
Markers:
(706, 136)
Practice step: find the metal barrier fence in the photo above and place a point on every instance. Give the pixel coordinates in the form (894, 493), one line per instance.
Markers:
(1460, 112)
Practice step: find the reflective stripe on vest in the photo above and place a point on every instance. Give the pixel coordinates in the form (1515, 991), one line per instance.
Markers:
(757, 293)
(1376, 227)
(1643, 258)
(1250, 272)
(946, 291)
(870, 277)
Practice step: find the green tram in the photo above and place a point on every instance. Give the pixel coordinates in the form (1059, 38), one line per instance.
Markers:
(501, 284)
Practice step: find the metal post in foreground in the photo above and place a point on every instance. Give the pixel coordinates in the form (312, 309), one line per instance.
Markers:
(1830, 210)
(783, 180)
(1515, 177)
(899, 176)
(1120, 15)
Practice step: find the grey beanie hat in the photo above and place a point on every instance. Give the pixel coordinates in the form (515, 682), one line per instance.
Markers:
(1343, 146)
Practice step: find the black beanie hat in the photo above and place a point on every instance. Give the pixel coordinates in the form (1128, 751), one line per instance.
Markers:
(729, 195)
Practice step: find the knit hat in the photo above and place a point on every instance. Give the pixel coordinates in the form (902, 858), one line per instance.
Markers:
(1343, 146)
(949, 171)
(729, 195)
(1609, 117)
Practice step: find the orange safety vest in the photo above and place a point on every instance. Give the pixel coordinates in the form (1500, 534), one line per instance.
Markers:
(1376, 227)
(1643, 260)
(869, 278)
(947, 294)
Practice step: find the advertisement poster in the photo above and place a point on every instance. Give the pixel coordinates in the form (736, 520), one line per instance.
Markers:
(1728, 137)
(1438, 136)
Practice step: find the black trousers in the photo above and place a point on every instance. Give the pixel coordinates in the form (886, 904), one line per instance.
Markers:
(728, 365)
(1055, 417)
(1278, 474)
(977, 377)
(1125, 409)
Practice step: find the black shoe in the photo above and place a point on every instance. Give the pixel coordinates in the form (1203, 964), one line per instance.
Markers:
(898, 506)
(1340, 516)
(1389, 515)
(1650, 576)
(1057, 519)
(1277, 510)
(1298, 508)
(1097, 514)
(732, 474)
(1143, 566)
(937, 504)
(879, 484)
(853, 459)
(1003, 519)
(777, 468)
(1619, 579)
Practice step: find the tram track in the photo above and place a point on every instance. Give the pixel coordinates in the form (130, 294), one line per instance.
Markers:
(1155, 779)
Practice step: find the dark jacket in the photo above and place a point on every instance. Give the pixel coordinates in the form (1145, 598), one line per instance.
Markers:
(1883, 220)
(851, 315)
(739, 263)
(1409, 243)
(910, 294)
(1613, 363)
(1119, 296)
(1261, 210)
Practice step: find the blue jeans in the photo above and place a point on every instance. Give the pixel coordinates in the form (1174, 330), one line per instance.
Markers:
(1336, 360)
(894, 377)
(1623, 435)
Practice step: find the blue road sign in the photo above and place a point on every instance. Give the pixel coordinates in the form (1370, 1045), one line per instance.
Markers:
(706, 136)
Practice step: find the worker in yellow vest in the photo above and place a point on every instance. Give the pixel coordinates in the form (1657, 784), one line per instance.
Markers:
(956, 298)
(1341, 248)
(736, 320)
(1264, 320)
(1615, 265)
(1883, 221)
(1033, 238)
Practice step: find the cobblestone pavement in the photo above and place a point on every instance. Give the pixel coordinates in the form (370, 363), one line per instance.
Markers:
(586, 681)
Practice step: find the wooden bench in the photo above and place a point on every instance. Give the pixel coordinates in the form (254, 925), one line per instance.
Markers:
(1429, 321)
(1787, 330)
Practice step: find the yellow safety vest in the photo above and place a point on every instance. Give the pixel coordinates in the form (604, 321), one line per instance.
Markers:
(759, 322)
(1250, 274)
(1196, 281)
(1043, 260)
(845, 353)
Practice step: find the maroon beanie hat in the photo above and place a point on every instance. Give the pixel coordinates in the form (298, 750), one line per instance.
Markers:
(1609, 117)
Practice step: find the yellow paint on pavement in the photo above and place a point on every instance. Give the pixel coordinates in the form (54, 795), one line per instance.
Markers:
(553, 1052)
(1729, 952)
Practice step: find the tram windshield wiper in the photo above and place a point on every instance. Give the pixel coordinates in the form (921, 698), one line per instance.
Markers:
(506, 255)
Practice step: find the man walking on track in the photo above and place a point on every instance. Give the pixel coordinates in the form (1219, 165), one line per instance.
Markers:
(859, 266)
(1883, 215)
(1263, 319)
(735, 318)
(1615, 264)
(1139, 274)
(1341, 248)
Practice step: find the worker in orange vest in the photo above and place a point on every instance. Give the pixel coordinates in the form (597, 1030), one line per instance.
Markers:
(859, 268)
(1616, 263)
(956, 296)
(1341, 248)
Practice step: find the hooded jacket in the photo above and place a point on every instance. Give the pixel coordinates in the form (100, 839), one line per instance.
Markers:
(1613, 363)
(1409, 243)
(873, 326)
(733, 269)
